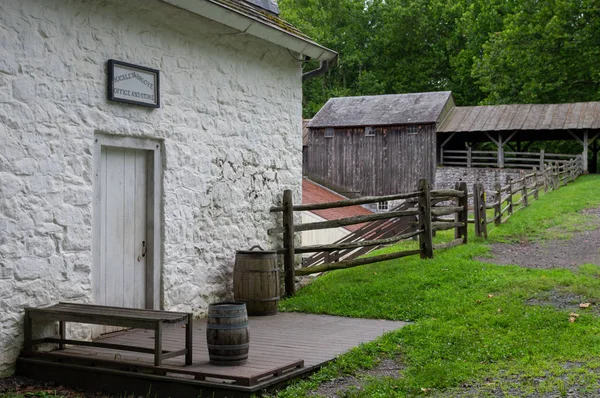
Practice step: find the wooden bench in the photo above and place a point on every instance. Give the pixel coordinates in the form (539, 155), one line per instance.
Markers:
(110, 316)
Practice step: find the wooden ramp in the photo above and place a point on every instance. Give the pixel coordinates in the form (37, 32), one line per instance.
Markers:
(282, 347)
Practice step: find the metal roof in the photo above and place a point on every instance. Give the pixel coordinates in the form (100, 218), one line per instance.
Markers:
(382, 110)
(314, 193)
(575, 116)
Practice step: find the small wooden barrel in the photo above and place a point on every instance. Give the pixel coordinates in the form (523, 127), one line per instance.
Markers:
(227, 334)
(256, 281)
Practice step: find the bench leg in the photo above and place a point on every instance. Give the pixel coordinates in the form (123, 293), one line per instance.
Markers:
(27, 332)
(188, 339)
(158, 344)
(62, 331)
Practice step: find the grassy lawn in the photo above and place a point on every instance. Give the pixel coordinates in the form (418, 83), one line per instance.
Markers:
(472, 323)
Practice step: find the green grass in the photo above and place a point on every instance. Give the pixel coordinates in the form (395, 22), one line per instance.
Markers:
(471, 320)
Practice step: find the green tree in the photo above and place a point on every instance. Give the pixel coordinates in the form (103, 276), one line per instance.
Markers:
(547, 52)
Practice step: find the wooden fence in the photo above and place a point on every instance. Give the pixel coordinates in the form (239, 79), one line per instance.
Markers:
(520, 160)
(527, 188)
(427, 211)
(428, 206)
(370, 231)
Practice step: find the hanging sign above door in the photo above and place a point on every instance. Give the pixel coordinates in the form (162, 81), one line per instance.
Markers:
(133, 84)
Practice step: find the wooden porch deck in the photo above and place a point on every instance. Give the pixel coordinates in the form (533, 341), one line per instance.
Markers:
(282, 347)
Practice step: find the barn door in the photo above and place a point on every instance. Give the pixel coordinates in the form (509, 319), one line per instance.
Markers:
(123, 241)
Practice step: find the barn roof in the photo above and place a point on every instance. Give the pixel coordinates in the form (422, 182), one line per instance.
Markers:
(313, 193)
(575, 116)
(305, 131)
(382, 110)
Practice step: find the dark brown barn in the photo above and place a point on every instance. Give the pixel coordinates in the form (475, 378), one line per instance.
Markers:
(376, 145)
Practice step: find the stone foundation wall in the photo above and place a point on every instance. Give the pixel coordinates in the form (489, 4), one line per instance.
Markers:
(229, 124)
(446, 177)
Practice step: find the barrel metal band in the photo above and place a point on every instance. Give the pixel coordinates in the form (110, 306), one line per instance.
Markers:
(227, 359)
(240, 315)
(257, 299)
(228, 327)
(228, 347)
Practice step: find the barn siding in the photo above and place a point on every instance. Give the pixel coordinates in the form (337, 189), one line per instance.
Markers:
(390, 162)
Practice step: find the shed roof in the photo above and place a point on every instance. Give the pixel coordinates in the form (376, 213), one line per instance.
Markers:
(382, 110)
(313, 193)
(575, 116)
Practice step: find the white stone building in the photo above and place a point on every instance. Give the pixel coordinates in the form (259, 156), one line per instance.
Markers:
(119, 204)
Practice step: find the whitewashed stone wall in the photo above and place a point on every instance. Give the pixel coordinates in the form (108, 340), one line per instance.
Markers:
(230, 125)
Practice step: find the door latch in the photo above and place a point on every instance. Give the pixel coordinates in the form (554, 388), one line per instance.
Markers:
(144, 251)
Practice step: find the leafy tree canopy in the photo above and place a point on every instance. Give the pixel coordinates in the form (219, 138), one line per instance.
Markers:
(485, 51)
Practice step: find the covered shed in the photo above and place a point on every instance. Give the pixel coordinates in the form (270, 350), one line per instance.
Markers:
(515, 127)
(376, 145)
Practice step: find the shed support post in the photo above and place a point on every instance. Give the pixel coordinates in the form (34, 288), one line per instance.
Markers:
(288, 243)
(443, 144)
(425, 237)
(469, 157)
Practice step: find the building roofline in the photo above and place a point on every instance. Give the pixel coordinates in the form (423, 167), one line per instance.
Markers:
(237, 19)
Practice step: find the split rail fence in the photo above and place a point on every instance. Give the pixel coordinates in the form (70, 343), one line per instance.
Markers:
(527, 188)
(425, 212)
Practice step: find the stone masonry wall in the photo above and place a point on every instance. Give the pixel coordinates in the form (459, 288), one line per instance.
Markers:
(229, 124)
(446, 177)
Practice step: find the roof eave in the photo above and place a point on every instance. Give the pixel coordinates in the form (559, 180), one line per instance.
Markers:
(244, 23)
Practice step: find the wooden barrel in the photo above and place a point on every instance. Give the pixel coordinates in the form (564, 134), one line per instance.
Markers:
(227, 334)
(256, 281)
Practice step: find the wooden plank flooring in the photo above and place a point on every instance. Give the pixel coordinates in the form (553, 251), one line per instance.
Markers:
(275, 341)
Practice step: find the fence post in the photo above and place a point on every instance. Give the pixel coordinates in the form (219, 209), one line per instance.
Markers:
(556, 176)
(288, 243)
(524, 192)
(498, 205)
(425, 237)
(476, 213)
(542, 166)
(482, 210)
(545, 180)
(510, 196)
(535, 193)
(463, 215)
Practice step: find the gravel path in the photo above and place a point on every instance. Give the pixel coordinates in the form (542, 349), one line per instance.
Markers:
(582, 248)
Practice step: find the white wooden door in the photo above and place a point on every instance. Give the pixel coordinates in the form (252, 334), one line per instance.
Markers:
(123, 243)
